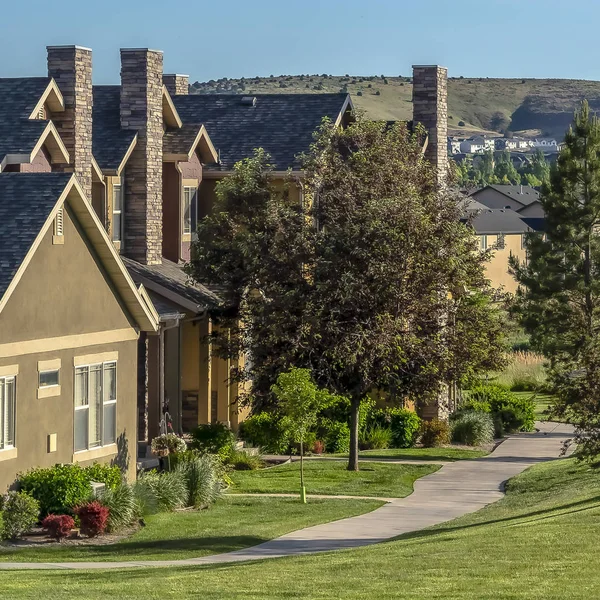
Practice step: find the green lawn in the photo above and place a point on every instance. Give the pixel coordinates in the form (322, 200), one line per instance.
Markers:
(331, 477)
(542, 403)
(432, 454)
(539, 543)
(232, 523)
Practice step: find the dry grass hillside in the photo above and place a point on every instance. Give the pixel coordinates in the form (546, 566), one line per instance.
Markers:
(537, 106)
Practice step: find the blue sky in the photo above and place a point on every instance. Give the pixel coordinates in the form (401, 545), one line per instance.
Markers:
(234, 38)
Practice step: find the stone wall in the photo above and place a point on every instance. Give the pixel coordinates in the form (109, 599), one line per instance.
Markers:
(141, 110)
(178, 85)
(71, 68)
(430, 107)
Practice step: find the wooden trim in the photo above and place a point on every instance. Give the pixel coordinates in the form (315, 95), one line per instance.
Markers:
(49, 365)
(48, 392)
(170, 114)
(9, 371)
(127, 155)
(94, 453)
(8, 454)
(90, 359)
(58, 150)
(67, 342)
(53, 97)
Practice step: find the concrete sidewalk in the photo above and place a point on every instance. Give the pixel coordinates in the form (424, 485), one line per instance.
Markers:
(456, 489)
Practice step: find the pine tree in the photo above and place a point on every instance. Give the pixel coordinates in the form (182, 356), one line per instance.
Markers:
(559, 301)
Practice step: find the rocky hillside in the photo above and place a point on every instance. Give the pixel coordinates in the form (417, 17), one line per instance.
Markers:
(533, 106)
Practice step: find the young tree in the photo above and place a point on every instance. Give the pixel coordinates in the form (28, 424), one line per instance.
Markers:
(353, 282)
(300, 400)
(559, 301)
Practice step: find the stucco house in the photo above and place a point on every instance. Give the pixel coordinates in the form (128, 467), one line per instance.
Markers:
(70, 319)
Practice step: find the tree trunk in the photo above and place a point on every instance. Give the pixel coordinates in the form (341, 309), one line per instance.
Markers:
(353, 457)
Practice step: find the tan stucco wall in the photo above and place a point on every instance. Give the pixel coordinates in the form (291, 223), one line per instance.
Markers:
(496, 269)
(62, 293)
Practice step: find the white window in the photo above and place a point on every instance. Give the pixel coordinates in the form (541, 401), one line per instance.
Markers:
(7, 412)
(522, 241)
(483, 242)
(117, 212)
(49, 378)
(189, 207)
(95, 405)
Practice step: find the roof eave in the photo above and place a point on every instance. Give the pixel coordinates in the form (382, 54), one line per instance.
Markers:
(170, 114)
(51, 96)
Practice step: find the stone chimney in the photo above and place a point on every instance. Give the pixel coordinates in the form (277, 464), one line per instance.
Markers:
(178, 85)
(71, 67)
(141, 111)
(430, 107)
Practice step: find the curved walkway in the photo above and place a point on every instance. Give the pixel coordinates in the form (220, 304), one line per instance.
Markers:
(456, 489)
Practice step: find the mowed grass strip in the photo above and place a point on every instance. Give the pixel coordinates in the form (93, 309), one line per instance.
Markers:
(232, 523)
(446, 454)
(539, 543)
(331, 477)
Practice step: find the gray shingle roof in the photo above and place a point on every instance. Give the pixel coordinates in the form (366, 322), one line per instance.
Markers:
(26, 200)
(109, 142)
(179, 141)
(18, 98)
(501, 220)
(170, 275)
(521, 193)
(282, 124)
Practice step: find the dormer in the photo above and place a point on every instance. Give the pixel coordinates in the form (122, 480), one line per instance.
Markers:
(51, 102)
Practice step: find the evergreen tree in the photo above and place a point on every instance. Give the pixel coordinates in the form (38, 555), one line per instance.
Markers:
(559, 301)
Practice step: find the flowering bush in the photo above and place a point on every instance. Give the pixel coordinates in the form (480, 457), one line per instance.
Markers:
(93, 517)
(58, 526)
(168, 443)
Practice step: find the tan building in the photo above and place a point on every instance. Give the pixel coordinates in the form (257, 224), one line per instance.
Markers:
(70, 319)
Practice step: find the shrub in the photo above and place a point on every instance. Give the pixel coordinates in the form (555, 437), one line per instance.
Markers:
(377, 437)
(167, 443)
(337, 437)
(121, 506)
(244, 461)
(204, 479)
(145, 500)
(318, 447)
(461, 123)
(60, 488)
(214, 438)
(405, 426)
(58, 526)
(473, 428)
(20, 514)
(266, 431)
(1, 523)
(93, 518)
(169, 489)
(435, 433)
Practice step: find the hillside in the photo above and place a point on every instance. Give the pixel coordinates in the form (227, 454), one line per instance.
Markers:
(536, 106)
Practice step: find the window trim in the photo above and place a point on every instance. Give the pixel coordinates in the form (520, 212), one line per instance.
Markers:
(188, 185)
(9, 450)
(88, 365)
(483, 242)
(121, 187)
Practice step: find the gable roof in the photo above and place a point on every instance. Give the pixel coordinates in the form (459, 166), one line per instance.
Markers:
(20, 135)
(28, 204)
(282, 124)
(502, 220)
(111, 145)
(521, 193)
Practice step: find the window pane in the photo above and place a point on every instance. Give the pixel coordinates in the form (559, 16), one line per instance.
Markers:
(95, 406)
(110, 382)
(81, 429)
(10, 411)
(116, 227)
(3, 423)
(187, 214)
(81, 396)
(110, 423)
(48, 378)
(117, 196)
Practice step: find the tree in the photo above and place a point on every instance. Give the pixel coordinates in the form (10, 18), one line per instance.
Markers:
(504, 169)
(300, 401)
(353, 280)
(559, 301)
(499, 121)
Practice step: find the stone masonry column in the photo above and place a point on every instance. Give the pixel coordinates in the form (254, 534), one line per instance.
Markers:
(71, 68)
(177, 85)
(141, 111)
(430, 107)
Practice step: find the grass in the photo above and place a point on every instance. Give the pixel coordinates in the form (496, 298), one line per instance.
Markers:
(525, 370)
(331, 477)
(232, 523)
(538, 543)
(447, 454)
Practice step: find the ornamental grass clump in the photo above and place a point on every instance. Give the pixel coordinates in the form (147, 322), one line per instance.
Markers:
(169, 489)
(473, 428)
(122, 506)
(203, 476)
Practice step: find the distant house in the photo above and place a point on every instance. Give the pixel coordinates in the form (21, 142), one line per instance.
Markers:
(477, 144)
(522, 199)
(547, 145)
(454, 145)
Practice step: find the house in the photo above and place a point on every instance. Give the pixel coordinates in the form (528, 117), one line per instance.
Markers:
(454, 145)
(523, 199)
(478, 144)
(546, 145)
(70, 319)
(502, 230)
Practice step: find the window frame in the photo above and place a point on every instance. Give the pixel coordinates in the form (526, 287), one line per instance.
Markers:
(51, 385)
(118, 185)
(187, 224)
(111, 402)
(4, 431)
(483, 242)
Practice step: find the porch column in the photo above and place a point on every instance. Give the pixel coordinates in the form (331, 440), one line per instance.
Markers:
(205, 375)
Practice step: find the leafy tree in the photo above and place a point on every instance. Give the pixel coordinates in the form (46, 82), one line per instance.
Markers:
(559, 301)
(499, 121)
(353, 281)
(505, 171)
(300, 401)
